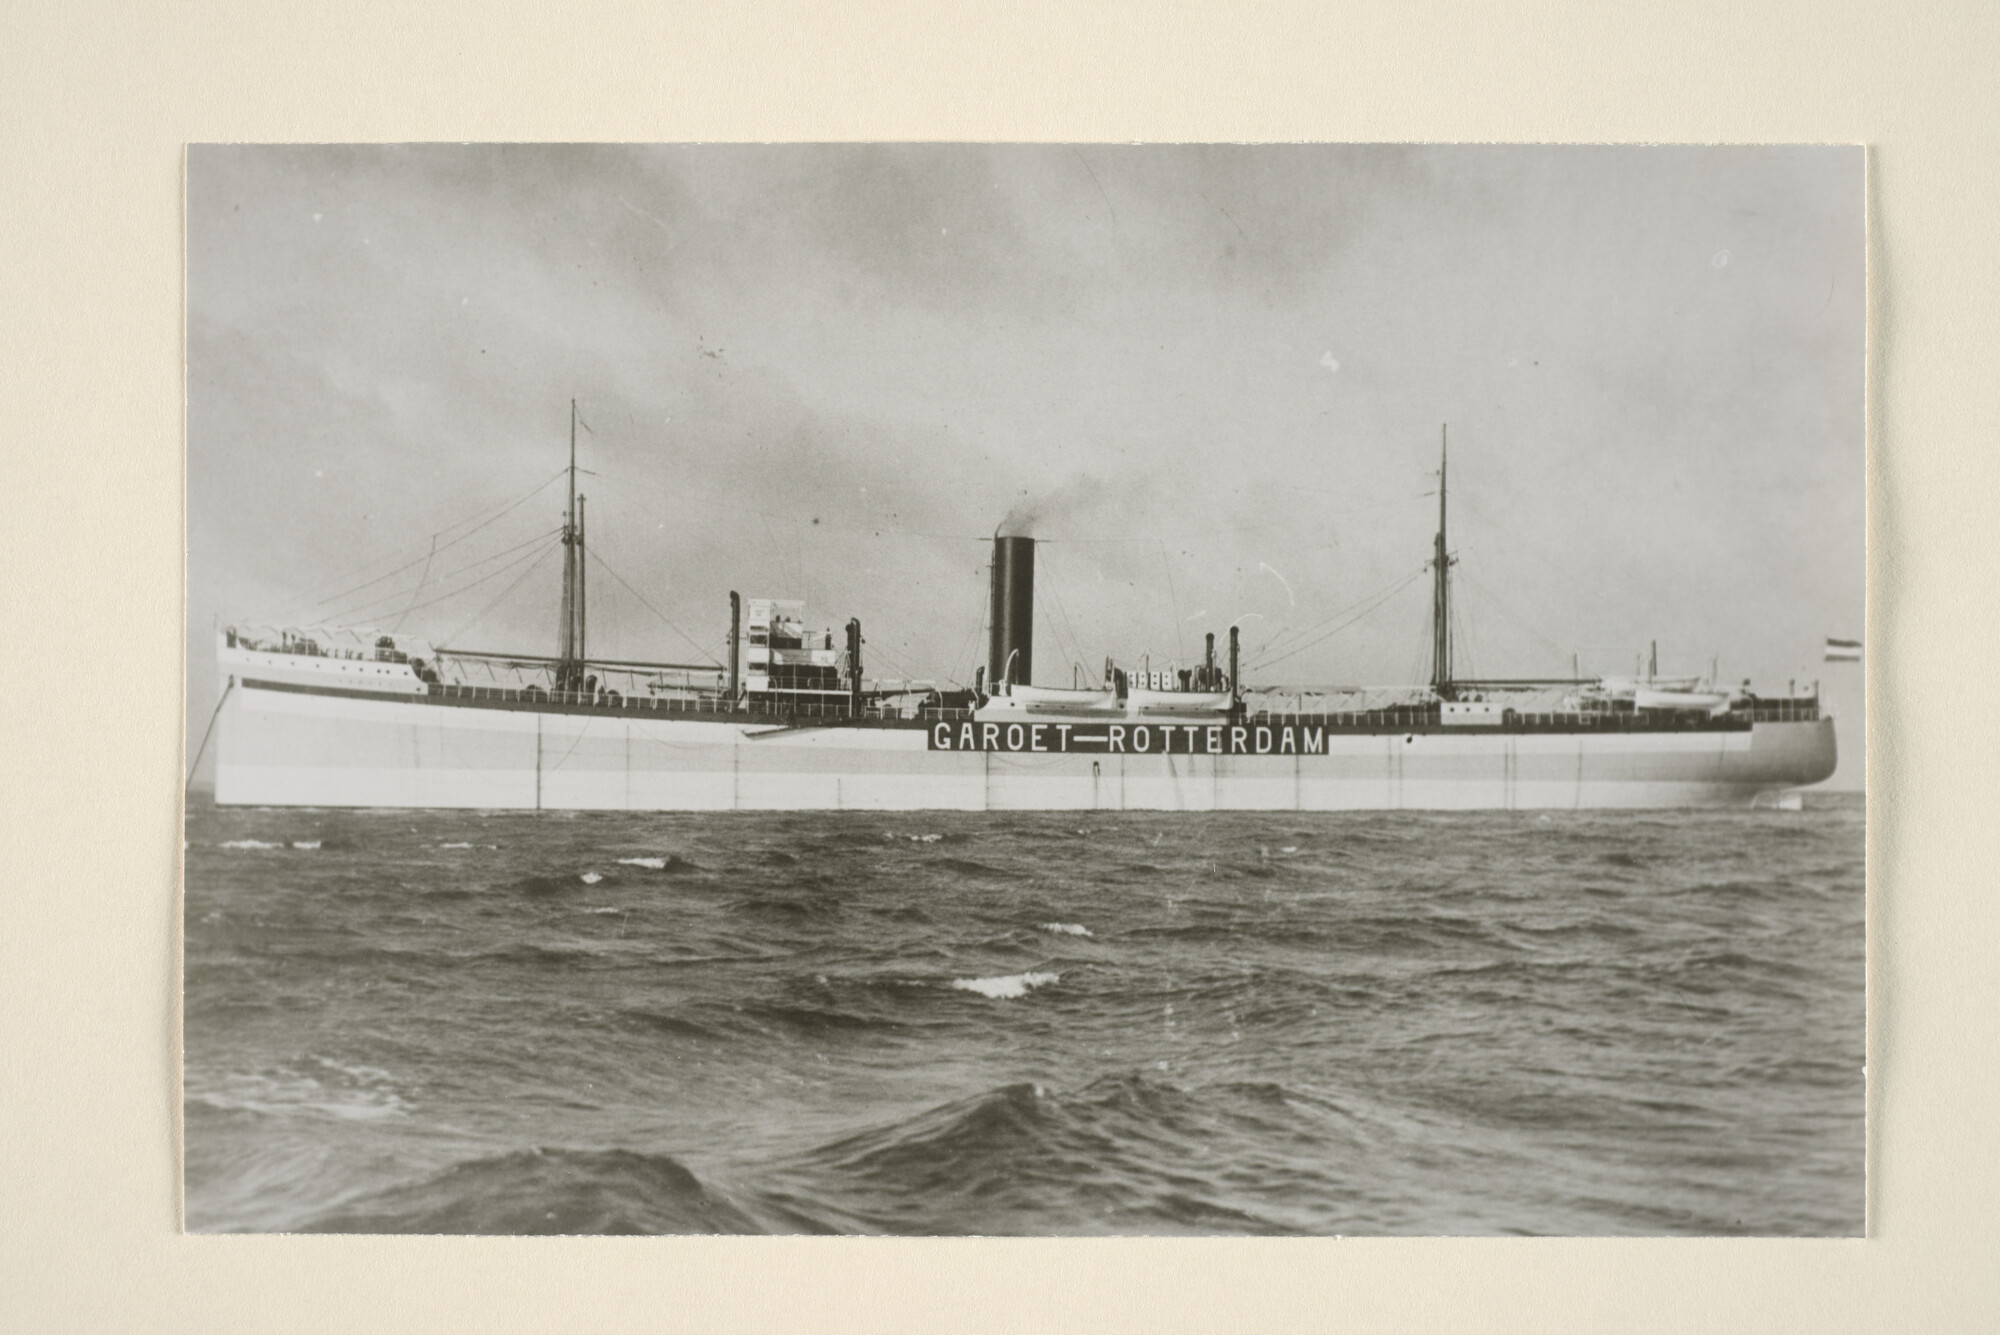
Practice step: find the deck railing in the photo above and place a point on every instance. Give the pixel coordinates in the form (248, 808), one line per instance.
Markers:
(1802, 710)
(614, 702)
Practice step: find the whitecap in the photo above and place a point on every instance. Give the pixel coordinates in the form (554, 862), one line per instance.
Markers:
(925, 838)
(612, 909)
(1066, 928)
(306, 844)
(351, 1093)
(454, 845)
(651, 864)
(590, 878)
(1289, 848)
(367, 1075)
(1010, 985)
(248, 843)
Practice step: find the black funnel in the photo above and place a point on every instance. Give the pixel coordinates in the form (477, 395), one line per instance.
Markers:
(1010, 652)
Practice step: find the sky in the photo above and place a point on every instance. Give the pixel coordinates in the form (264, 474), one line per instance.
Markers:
(1212, 379)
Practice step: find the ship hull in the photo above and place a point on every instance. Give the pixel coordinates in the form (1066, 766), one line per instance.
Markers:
(327, 748)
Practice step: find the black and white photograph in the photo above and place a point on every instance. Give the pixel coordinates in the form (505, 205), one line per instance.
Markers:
(1025, 689)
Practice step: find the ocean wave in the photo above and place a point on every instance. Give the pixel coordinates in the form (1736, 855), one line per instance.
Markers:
(810, 1019)
(248, 843)
(547, 1191)
(967, 867)
(812, 907)
(1471, 999)
(1113, 1156)
(310, 1086)
(543, 886)
(662, 1022)
(669, 863)
(454, 845)
(590, 878)
(1007, 986)
(306, 845)
(541, 956)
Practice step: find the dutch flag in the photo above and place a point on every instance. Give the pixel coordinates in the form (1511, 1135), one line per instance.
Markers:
(1843, 651)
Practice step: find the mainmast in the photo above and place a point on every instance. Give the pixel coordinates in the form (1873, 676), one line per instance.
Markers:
(571, 642)
(1441, 563)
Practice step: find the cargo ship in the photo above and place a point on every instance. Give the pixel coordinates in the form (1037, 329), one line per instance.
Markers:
(344, 717)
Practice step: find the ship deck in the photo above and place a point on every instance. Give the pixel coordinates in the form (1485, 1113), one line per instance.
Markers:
(1406, 719)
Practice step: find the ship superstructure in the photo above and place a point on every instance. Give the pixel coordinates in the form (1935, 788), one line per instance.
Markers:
(341, 717)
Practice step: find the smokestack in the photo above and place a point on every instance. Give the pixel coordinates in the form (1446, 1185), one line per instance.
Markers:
(1011, 649)
(735, 640)
(1235, 687)
(1208, 665)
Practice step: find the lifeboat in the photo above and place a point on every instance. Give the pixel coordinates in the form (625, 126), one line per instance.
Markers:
(1055, 700)
(1710, 702)
(1180, 702)
(1627, 688)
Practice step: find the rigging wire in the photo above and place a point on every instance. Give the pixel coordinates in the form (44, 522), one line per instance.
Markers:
(473, 584)
(1467, 666)
(1320, 625)
(1277, 640)
(643, 602)
(207, 732)
(287, 610)
(1635, 573)
(1055, 593)
(1180, 645)
(866, 530)
(420, 585)
(1515, 619)
(1072, 652)
(1357, 611)
(971, 645)
(1070, 662)
(1206, 533)
(875, 650)
(481, 613)
(369, 608)
(1421, 657)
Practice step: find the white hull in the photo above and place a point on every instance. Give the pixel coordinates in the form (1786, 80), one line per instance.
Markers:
(277, 748)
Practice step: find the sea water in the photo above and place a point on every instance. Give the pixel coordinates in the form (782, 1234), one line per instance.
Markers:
(943, 1023)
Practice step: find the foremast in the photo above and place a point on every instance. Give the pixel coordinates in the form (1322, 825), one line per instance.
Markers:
(1441, 563)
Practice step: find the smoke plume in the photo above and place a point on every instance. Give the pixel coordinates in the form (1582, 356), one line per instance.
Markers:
(1080, 494)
